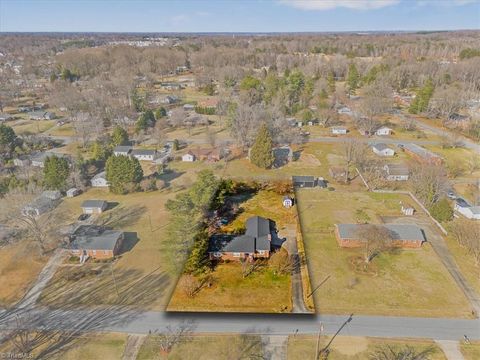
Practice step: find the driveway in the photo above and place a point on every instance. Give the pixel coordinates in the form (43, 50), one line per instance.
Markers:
(441, 249)
(298, 304)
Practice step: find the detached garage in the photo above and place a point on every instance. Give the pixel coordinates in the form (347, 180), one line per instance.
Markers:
(94, 206)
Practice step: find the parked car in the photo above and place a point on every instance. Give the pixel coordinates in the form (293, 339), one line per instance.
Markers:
(83, 217)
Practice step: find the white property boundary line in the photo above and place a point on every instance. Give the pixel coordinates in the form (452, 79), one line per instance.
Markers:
(442, 229)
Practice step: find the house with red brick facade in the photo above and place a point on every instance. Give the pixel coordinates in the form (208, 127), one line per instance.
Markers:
(96, 242)
(401, 235)
(255, 243)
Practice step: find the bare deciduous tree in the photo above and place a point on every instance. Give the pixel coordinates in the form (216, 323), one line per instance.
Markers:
(428, 183)
(376, 238)
(467, 234)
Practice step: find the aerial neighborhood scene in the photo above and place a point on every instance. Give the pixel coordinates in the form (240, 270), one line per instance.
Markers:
(216, 180)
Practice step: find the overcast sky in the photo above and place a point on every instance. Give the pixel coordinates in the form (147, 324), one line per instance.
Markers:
(238, 16)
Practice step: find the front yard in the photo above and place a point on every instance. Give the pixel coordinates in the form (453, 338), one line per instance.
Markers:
(403, 282)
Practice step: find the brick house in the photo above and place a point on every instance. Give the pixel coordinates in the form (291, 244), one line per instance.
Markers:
(255, 243)
(402, 235)
(97, 243)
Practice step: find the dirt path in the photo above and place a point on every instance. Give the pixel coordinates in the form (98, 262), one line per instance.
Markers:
(276, 347)
(44, 277)
(451, 349)
(132, 347)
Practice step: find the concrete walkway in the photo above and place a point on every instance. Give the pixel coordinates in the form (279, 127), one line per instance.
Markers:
(31, 297)
(276, 347)
(451, 349)
(132, 346)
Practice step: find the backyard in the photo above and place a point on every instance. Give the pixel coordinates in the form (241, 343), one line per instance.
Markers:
(404, 282)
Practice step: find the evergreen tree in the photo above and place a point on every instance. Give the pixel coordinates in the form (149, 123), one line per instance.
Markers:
(145, 120)
(420, 103)
(441, 210)
(8, 139)
(353, 78)
(123, 173)
(99, 151)
(331, 82)
(261, 153)
(119, 136)
(160, 113)
(55, 173)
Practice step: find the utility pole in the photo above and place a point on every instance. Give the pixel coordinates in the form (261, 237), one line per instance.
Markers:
(317, 353)
(325, 349)
(318, 286)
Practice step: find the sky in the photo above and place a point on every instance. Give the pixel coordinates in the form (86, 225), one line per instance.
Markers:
(237, 15)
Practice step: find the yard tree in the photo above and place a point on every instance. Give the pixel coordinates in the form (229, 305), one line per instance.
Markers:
(8, 139)
(160, 113)
(99, 151)
(119, 136)
(55, 173)
(441, 210)
(174, 335)
(375, 239)
(353, 78)
(428, 183)
(249, 82)
(467, 234)
(389, 352)
(197, 261)
(331, 82)
(123, 173)
(261, 153)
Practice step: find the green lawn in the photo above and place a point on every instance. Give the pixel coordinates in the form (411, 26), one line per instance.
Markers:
(404, 283)
(354, 348)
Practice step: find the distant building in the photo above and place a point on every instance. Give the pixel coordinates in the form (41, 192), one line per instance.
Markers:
(402, 235)
(41, 115)
(382, 150)
(94, 206)
(73, 192)
(345, 111)
(339, 130)
(467, 210)
(170, 99)
(124, 150)
(188, 157)
(144, 154)
(38, 159)
(44, 203)
(211, 155)
(303, 181)
(383, 131)
(99, 180)
(396, 172)
(188, 107)
(422, 155)
(407, 210)
(5, 117)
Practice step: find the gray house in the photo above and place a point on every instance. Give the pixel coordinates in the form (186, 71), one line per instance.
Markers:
(94, 206)
(304, 181)
(124, 150)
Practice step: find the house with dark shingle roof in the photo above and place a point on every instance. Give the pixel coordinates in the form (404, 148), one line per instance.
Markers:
(97, 243)
(401, 235)
(303, 181)
(255, 243)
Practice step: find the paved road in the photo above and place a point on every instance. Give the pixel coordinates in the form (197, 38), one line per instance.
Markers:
(272, 324)
(470, 144)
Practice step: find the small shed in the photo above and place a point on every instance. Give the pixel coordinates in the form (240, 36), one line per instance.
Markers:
(94, 206)
(73, 192)
(382, 150)
(383, 131)
(188, 157)
(339, 130)
(407, 210)
(287, 202)
(303, 181)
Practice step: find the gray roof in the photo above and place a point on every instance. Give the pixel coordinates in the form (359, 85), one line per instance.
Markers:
(122, 148)
(41, 156)
(256, 238)
(143, 152)
(102, 174)
(404, 232)
(380, 146)
(94, 204)
(104, 241)
(397, 169)
(462, 202)
(296, 179)
(420, 151)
